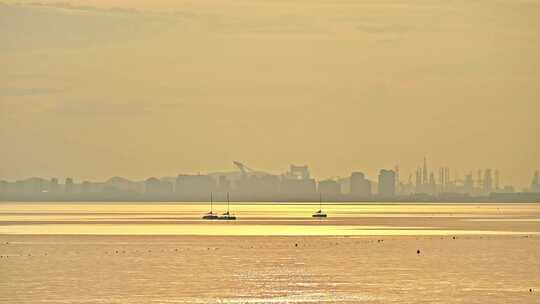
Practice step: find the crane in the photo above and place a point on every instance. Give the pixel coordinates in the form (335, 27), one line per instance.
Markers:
(247, 170)
(242, 167)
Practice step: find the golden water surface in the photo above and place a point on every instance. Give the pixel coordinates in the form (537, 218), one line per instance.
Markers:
(269, 219)
(362, 253)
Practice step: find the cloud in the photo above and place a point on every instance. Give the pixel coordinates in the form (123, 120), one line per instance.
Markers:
(86, 108)
(69, 6)
(62, 25)
(15, 92)
(383, 28)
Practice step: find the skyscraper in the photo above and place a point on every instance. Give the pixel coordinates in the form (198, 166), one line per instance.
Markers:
(329, 187)
(488, 181)
(425, 172)
(194, 185)
(432, 187)
(468, 184)
(418, 180)
(535, 184)
(497, 181)
(387, 183)
(442, 180)
(479, 182)
(154, 186)
(398, 190)
(360, 185)
(297, 183)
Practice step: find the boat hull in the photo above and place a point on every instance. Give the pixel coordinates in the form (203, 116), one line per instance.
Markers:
(210, 217)
(227, 218)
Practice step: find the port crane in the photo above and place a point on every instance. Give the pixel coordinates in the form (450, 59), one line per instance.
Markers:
(247, 170)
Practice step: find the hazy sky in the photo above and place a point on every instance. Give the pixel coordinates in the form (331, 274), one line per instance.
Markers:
(92, 89)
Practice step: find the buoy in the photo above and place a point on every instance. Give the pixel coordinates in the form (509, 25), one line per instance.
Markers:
(418, 251)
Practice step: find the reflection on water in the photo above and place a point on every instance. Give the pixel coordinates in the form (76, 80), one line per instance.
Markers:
(315, 297)
(269, 219)
(347, 262)
(239, 230)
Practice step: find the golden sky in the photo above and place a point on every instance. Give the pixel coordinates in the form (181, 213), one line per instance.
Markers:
(92, 89)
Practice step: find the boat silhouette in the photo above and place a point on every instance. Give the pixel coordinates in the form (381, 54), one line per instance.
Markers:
(319, 213)
(227, 216)
(210, 215)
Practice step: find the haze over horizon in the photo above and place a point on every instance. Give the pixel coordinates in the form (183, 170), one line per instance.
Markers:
(93, 89)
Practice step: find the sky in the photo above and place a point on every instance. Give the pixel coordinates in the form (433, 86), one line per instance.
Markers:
(94, 89)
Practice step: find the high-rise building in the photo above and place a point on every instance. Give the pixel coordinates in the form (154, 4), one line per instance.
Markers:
(387, 183)
(535, 184)
(488, 181)
(444, 179)
(442, 182)
(432, 186)
(468, 184)
(258, 185)
(418, 181)
(53, 185)
(194, 185)
(497, 180)
(408, 188)
(297, 183)
(298, 172)
(297, 188)
(360, 185)
(398, 183)
(479, 181)
(155, 186)
(69, 186)
(425, 172)
(329, 187)
(224, 185)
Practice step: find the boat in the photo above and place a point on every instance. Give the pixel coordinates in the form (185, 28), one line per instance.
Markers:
(319, 213)
(227, 216)
(210, 215)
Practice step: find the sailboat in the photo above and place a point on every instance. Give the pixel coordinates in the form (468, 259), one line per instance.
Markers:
(319, 213)
(210, 215)
(227, 215)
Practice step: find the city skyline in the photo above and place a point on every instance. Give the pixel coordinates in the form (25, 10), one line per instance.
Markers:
(144, 88)
(296, 184)
(423, 171)
(259, 151)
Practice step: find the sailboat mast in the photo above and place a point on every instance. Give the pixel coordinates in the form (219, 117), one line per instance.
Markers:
(211, 201)
(227, 202)
(320, 201)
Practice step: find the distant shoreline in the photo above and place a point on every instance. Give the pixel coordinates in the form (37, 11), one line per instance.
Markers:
(486, 200)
